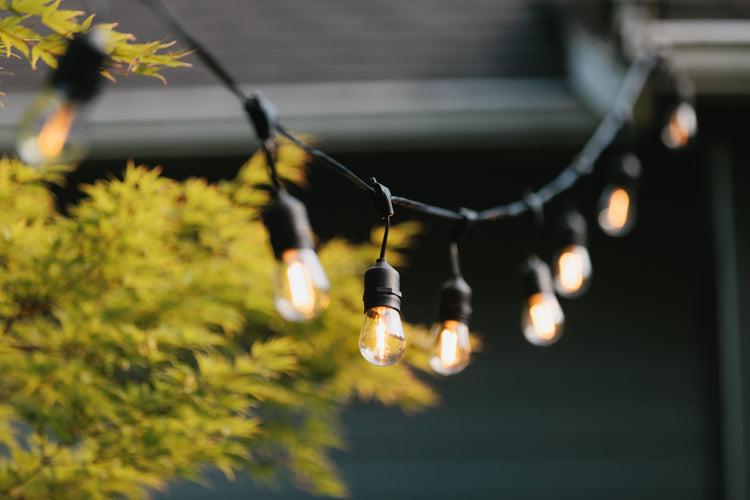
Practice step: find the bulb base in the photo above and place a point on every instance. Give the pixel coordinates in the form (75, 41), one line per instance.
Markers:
(77, 72)
(536, 277)
(288, 226)
(455, 301)
(382, 286)
(573, 229)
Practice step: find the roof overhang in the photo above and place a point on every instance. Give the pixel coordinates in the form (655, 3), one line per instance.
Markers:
(415, 114)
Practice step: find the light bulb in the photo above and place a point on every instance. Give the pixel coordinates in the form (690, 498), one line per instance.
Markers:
(542, 318)
(617, 210)
(616, 213)
(681, 126)
(572, 270)
(451, 351)
(52, 131)
(300, 285)
(382, 340)
(571, 264)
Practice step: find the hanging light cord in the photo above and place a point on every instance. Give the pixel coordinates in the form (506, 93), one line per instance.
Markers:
(583, 163)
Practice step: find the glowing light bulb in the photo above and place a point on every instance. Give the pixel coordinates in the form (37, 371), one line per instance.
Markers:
(382, 340)
(616, 215)
(451, 352)
(681, 126)
(52, 131)
(572, 270)
(617, 212)
(300, 285)
(542, 318)
(572, 264)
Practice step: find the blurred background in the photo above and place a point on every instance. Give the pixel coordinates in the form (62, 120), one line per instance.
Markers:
(468, 104)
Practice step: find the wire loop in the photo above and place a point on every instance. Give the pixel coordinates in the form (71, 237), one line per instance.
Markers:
(468, 218)
(263, 116)
(535, 206)
(381, 199)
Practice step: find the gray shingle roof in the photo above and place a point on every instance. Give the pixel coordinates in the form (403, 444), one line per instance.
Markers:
(349, 40)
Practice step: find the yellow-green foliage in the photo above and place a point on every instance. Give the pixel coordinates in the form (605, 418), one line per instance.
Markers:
(41, 29)
(139, 344)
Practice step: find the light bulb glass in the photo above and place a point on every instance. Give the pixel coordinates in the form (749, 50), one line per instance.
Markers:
(51, 131)
(300, 285)
(542, 319)
(451, 351)
(681, 127)
(572, 269)
(616, 211)
(382, 340)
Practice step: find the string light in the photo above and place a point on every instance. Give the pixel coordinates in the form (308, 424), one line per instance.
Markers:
(572, 263)
(451, 350)
(542, 318)
(617, 203)
(681, 126)
(52, 131)
(300, 285)
(382, 340)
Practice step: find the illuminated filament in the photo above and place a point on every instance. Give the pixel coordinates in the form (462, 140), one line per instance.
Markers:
(301, 288)
(571, 271)
(617, 211)
(543, 319)
(55, 131)
(678, 134)
(380, 336)
(448, 347)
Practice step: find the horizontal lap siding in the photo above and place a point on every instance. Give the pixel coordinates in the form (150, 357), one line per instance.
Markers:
(624, 407)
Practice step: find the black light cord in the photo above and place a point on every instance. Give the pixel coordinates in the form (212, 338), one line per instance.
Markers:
(384, 245)
(583, 164)
(327, 160)
(168, 16)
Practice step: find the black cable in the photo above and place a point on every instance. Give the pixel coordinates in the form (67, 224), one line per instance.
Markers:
(327, 160)
(168, 16)
(426, 209)
(384, 245)
(583, 164)
(269, 152)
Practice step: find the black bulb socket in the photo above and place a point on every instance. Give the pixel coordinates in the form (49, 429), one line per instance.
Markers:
(288, 226)
(382, 286)
(573, 229)
(455, 301)
(78, 70)
(536, 276)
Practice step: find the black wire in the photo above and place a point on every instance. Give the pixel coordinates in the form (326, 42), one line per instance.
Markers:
(454, 259)
(327, 160)
(268, 151)
(385, 237)
(426, 209)
(583, 164)
(168, 16)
